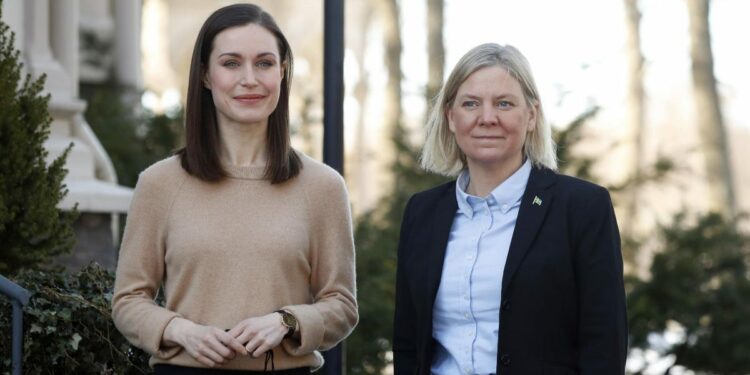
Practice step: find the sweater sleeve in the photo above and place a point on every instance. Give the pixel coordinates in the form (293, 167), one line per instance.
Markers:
(141, 268)
(333, 313)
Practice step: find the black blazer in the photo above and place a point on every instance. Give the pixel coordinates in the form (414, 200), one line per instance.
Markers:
(563, 301)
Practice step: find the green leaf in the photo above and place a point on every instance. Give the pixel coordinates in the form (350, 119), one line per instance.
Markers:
(75, 340)
(64, 313)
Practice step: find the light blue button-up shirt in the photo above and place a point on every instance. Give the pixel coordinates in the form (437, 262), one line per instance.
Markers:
(466, 314)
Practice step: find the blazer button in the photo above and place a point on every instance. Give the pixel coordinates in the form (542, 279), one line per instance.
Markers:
(505, 360)
(506, 305)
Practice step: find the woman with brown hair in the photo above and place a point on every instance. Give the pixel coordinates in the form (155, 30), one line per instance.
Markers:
(250, 240)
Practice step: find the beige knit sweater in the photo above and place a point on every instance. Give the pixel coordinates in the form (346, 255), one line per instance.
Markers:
(227, 251)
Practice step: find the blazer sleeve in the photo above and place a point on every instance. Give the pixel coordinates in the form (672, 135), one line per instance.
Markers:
(404, 320)
(602, 326)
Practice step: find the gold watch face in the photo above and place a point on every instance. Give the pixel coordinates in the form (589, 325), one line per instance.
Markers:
(289, 320)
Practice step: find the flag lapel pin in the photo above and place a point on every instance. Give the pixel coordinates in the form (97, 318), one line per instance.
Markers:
(537, 201)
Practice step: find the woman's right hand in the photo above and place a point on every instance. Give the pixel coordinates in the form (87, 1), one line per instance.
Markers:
(208, 345)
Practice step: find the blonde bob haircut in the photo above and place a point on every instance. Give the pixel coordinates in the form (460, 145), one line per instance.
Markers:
(441, 153)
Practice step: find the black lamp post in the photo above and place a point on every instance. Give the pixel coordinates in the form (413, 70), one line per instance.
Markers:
(333, 122)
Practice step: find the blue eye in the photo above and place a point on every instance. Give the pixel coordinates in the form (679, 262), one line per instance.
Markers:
(504, 104)
(264, 64)
(470, 104)
(231, 64)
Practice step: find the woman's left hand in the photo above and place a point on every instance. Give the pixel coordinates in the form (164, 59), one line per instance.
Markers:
(260, 334)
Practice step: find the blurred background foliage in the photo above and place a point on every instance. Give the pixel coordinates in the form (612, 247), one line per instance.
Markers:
(133, 137)
(695, 305)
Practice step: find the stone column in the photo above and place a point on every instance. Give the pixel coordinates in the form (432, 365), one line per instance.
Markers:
(64, 38)
(38, 53)
(127, 38)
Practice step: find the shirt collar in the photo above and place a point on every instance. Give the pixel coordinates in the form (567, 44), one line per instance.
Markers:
(505, 195)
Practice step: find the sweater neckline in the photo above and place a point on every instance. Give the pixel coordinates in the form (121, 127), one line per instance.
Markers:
(244, 172)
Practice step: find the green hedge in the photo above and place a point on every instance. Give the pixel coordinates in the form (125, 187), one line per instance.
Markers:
(68, 328)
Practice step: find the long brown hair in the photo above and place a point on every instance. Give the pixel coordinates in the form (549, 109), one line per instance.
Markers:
(200, 156)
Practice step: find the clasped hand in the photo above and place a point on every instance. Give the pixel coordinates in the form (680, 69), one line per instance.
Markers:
(211, 346)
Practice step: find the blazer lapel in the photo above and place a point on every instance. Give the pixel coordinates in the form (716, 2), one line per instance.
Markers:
(534, 207)
(445, 212)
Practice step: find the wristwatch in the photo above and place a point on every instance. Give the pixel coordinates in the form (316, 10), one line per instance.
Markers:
(289, 321)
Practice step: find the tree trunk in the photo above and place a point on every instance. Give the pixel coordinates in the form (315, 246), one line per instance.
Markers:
(435, 49)
(708, 113)
(360, 169)
(393, 129)
(637, 111)
(391, 22)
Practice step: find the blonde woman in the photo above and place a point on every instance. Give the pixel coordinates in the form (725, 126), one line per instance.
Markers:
(513, 268)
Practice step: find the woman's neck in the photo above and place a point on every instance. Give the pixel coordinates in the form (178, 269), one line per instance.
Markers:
(244, 144)
(484, 178)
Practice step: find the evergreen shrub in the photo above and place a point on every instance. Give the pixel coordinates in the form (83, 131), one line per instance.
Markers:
(32, 228)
